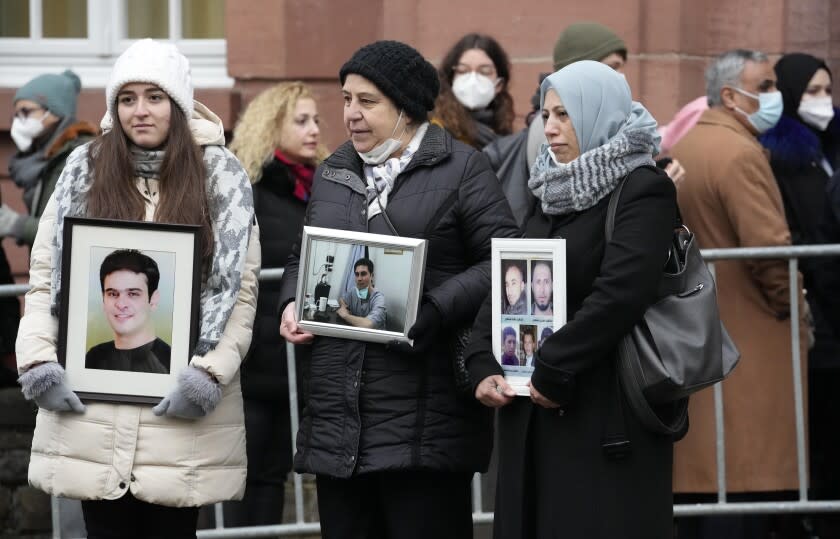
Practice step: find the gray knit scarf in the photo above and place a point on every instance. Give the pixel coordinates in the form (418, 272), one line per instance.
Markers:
(231, 204)
(581, 183)
(147, 162)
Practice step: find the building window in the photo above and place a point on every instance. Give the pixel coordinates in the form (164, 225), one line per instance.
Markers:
(14, 18)
(63, 18)
(42, 36)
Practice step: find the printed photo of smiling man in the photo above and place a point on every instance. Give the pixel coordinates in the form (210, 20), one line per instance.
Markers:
(129, 283)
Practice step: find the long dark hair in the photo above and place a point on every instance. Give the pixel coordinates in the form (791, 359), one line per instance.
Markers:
(449, 110)
(183, 179)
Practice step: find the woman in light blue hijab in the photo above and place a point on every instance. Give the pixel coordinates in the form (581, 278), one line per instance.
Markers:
(613, 133)
(573, 460)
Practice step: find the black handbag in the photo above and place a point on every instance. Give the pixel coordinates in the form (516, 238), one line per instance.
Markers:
(680, 346)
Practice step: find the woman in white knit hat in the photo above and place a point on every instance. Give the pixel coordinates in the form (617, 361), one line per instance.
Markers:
(143, 471)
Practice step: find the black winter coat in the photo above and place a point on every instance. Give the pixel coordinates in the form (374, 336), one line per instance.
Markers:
(371, 409)
(796, 152)
(264, 373)
(555, 478)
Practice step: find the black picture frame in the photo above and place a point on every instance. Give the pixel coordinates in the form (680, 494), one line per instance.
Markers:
(175, 250)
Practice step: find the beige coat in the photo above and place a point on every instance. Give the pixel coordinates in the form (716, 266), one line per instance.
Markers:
(114, 447)
(730, 199)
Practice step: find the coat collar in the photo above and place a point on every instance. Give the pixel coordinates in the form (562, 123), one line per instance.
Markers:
(721, 117)
(794, 145)
(435, 147)
(71, 133)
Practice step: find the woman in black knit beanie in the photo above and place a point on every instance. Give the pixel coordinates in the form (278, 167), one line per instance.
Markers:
(393, 444)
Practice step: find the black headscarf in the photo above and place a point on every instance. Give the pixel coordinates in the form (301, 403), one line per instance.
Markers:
(793, 72)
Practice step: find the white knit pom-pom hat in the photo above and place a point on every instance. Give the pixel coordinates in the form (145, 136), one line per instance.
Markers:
(153, 62)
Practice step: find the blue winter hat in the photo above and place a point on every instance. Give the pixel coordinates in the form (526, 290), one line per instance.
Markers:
(57, 93)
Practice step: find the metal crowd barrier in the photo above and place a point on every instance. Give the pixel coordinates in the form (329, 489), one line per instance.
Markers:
(803, 505)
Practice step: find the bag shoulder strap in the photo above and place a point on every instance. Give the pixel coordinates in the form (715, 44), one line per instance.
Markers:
(609, 224)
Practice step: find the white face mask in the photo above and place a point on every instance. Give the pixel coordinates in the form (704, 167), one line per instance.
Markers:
(817, 111)
(25, 130)
(380, 153)
(473, 90)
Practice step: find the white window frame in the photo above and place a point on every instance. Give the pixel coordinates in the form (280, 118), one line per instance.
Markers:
(93, 57)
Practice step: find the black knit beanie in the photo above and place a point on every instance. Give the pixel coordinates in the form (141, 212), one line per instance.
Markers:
(400, 72)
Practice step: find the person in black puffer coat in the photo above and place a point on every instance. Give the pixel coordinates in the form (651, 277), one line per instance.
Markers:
(804, 154)
(278, 142)
(393, 443)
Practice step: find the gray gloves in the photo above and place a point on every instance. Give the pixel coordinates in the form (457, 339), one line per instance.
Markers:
(196, 395)
(45, 384)
(11, 222)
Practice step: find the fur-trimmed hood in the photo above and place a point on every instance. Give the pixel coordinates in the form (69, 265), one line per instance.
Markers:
(795, 145)
(72, 132)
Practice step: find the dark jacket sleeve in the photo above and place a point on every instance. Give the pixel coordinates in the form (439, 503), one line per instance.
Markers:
(288, 284)
(829, 275)
(508, 157)
(483, 214)
(479, 357)
(627, 284)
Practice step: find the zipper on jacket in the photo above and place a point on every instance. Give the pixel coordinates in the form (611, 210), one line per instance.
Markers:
(149, 195)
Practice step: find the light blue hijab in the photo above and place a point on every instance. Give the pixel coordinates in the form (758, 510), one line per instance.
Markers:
(615, 134)
(599, 103)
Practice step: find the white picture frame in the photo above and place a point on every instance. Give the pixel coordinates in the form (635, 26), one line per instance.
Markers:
(328, 254)
(89, 334)
(532, 315)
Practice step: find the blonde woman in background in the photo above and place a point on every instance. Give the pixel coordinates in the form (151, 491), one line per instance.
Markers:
(278, 141)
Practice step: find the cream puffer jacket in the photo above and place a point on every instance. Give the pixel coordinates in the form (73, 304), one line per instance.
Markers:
(114, 447)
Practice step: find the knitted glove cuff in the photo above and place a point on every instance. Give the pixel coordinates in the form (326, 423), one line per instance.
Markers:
(199, 388)
(40, 378)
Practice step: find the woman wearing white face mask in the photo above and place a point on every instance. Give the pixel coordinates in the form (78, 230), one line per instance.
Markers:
(805, 152)
(474, 103)
(45, 131)
(384, 429)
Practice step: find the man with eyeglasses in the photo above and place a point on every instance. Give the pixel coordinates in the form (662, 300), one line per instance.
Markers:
(363, 307)
(45, 131)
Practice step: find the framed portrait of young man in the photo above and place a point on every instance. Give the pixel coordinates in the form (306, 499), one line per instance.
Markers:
(529, 302)
(128, 307)
(358, 285)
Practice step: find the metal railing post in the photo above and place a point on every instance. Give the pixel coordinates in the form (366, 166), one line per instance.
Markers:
(720, 434)
(294, 421)
(796, 360)
(476, 494)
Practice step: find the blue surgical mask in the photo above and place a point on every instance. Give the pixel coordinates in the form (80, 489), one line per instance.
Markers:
(362, 294)
(769, 111)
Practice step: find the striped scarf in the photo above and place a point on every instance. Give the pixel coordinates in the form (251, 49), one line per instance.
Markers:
(380, 178)
(578, 185)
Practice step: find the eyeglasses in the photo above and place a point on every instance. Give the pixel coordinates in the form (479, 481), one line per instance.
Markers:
(486, 70)
(24, 112)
